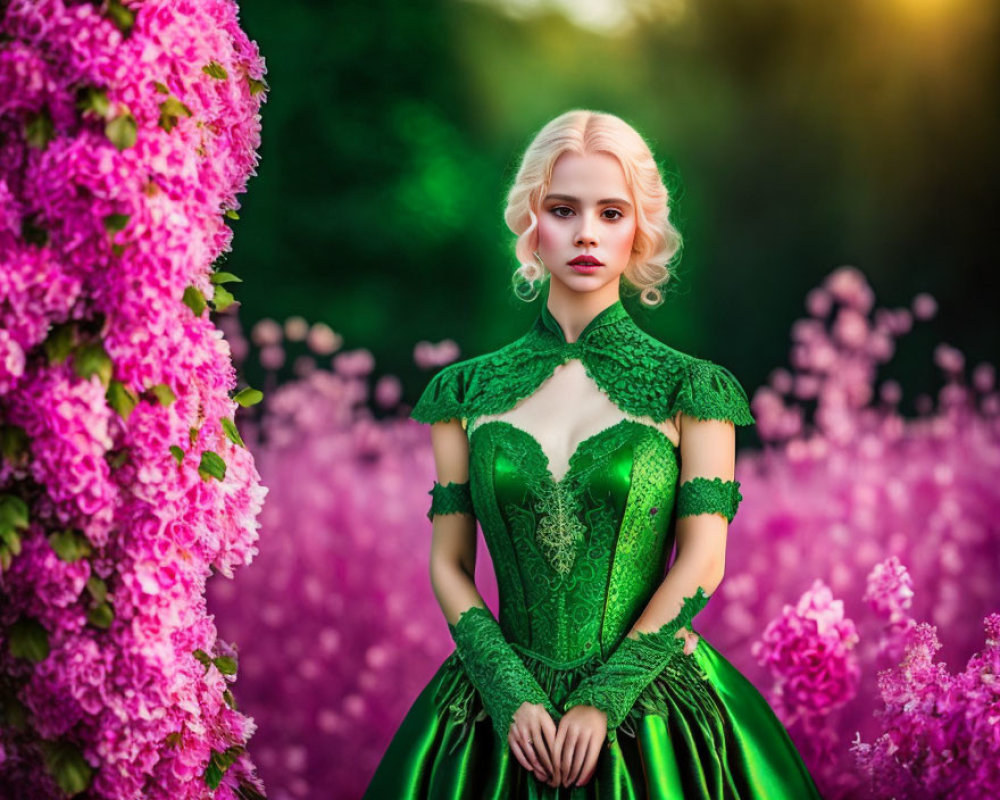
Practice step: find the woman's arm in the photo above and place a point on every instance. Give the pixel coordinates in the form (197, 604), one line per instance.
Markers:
(453, 544)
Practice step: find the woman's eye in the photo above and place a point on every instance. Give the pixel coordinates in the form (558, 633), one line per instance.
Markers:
(557, 209)
(614, 211)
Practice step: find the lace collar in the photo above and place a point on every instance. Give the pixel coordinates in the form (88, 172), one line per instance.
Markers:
(551, 335)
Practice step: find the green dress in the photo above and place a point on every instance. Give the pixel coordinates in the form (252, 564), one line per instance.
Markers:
(577, 559)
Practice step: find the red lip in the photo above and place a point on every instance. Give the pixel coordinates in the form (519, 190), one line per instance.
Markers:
(586, 261)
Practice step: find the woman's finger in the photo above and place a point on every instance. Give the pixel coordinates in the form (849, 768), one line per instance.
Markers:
(593, 753)
(529, 750)
(569, 748)
(515, 748)
(542, 748)
(579, 757)
(549, 733)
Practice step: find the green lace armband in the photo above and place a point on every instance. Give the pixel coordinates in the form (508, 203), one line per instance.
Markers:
(450, 498)
(701, 495)
(615, 686)
(498, 673)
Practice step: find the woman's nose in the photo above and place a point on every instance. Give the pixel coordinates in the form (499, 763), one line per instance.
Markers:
(586, 234)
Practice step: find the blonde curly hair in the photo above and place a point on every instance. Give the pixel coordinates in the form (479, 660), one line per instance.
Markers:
(657, 241)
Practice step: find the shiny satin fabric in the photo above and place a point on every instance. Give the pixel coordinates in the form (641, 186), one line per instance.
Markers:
(732, 746)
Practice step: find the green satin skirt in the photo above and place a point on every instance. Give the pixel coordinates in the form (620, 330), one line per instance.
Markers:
(726, 742)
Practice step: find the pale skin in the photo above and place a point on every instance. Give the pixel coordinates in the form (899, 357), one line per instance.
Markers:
(574, 220)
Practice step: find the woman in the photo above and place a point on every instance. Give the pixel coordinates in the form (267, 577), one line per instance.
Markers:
(585, 449)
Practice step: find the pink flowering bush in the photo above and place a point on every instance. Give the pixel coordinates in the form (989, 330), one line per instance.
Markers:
(857, 521)
(127, 130)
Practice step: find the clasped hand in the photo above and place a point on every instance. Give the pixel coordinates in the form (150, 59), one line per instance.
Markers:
(565, 754)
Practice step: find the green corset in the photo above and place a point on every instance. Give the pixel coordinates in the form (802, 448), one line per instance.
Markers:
(576, 559)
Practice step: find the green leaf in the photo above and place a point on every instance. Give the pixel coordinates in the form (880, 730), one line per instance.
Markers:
(230, 700)
(218, 763)
(29, 639)
(91, 99)
(122, 130)
(10, 539)
(171, 110)
(70, 544)
(97, 588)
(230, 428)
(248, 397)
(59, 343)
(231, 213)
(39, 131)
(13, 512)
(225, 277)
(116, 222)
(195, 300)
(226, 664)
(121, 399)
(163, 393)
(212, 465)
(65, 762)
(161, 87)
(222, 298)
(177, 453)
(91, 358)
(216, 70)
(13, 443)
(256, 86)
(192, 435)
(101, 615)
(6, 559)
(122, 17)
(173, 739)
(204, 658)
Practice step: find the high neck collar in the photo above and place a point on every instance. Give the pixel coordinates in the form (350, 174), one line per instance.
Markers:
(607, 316)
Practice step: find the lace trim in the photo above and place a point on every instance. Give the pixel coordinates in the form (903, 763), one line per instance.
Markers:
(616, 685)
(641, 375)
(708, 495)
(497, 672)
(451, 498)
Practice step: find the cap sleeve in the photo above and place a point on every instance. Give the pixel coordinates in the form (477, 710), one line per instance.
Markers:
(710, 391)
(444, 397)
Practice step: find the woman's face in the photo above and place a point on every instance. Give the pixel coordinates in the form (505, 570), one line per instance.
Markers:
(588, 211)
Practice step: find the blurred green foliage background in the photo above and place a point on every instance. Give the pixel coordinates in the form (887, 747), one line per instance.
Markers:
(796, 136)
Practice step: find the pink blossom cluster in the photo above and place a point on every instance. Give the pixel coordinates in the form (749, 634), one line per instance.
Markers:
(810, 651)
(127, 130)
(940, 732)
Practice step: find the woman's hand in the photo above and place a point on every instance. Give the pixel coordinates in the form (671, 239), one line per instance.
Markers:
(579, 739)
(691, 640)
(531, 738)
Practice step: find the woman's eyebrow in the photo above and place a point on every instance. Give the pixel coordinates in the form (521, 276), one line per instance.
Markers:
(616, 201)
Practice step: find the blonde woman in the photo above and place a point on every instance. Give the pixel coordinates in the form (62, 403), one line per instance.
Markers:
(586, 449)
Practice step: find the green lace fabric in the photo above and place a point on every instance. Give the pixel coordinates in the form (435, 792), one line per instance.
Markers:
(642, 375)
(702, 495)
(450, 498)
(615, 686)
(500, 677)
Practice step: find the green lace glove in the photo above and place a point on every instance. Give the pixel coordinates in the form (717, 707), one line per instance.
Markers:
(497, 672)
(615, 686)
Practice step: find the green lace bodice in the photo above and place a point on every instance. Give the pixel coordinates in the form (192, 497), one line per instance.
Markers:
(578, 558)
